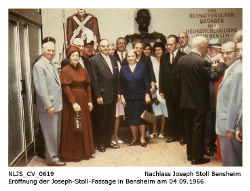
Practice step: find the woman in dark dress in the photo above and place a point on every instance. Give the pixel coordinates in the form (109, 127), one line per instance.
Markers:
(76, 145)
(134, 95)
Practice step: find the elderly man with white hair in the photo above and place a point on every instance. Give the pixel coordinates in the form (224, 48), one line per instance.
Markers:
(195, 73)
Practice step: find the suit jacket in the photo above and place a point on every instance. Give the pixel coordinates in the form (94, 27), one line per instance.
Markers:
(134, 85)
(47, 85)
(168, 76)
(145, 60)
(103, 82)
(229, 101)
(188, 50)
(117, 57)
(194, 74)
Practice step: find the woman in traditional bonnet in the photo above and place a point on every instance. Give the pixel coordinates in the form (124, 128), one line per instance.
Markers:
(76, 145)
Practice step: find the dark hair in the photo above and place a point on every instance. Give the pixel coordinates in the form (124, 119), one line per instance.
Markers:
(146, 45)
(48, 39)
(173, 36)
(159, 44)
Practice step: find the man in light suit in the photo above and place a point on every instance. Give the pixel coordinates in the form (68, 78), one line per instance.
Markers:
(183, 41)
(49, 102)
(229, 108)
(104, 76)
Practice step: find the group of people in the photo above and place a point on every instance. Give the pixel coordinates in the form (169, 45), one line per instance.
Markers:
(171, 80)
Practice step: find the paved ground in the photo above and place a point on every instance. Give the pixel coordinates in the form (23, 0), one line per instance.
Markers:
(156, 154)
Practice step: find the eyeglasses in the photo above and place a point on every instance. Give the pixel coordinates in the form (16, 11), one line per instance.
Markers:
(227, 53)
(182, 37)
(171, 44)
(121, 43)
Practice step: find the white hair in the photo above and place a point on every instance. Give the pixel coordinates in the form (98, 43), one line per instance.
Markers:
(199, 40)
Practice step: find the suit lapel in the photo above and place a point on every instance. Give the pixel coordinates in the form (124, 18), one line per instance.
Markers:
(104, 62)
(54, 73)
(229, 73)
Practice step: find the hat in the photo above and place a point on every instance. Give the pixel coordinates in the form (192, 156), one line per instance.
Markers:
(71, 49)
(215, 43)
(86, 42)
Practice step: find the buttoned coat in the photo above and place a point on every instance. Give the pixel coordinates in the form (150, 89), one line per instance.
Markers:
(134, 85)
(168, 76)
(229, 101)
(103, 82)
(47, 85)
(195, 73)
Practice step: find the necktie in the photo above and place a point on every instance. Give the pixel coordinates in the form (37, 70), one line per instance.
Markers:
(122, 56)
(172, 58)
(52, 66)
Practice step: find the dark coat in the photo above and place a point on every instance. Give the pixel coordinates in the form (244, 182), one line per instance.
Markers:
(146, 61)
(103, 82)
(134, 85)
(168, 76)
(195, 73)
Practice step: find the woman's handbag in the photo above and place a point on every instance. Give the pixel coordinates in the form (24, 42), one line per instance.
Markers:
(148, 117)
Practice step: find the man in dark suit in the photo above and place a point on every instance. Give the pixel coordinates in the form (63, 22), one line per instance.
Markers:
(104, 77)
(120, 52)
(169, 90)
(195, 73)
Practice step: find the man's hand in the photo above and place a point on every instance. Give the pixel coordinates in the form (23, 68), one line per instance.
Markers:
(239, 135)
(230, 134)
(99, 100)
(51, 111)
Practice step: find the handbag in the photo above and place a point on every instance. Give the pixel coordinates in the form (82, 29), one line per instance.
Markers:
(148, 117)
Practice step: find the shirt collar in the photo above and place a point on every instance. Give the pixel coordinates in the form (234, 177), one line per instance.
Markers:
(46, 60)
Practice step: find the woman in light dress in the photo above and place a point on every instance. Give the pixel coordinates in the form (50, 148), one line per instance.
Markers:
(119, 107)
(159, 104)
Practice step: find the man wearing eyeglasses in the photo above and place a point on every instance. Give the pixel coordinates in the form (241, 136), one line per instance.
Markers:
(229, 107)
(183, 41)
(169, 90)
(120, 51)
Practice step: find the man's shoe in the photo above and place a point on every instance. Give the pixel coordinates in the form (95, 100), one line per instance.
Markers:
(171, 139)
(182, 142)
(200, 161)
(208, 153)
(57, 163)
(113, 146)
(189, 157)
(101, 148)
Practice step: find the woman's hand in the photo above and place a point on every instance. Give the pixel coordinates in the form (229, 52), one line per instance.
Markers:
(123, 101)
(147, 99)
(90, 106)
(76, 107)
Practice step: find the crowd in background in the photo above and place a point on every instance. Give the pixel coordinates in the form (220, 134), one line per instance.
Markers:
(194, 91)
